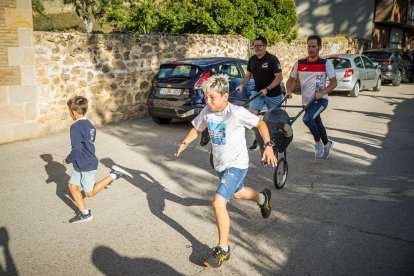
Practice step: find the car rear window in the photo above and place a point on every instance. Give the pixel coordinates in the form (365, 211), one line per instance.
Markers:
(378, 55)
(340, 63)
(178, 71)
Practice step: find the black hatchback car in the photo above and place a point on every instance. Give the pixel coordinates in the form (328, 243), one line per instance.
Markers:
(176, 88)
(395, 65)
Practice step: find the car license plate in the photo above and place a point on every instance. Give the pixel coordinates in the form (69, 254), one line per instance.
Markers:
(170, 91)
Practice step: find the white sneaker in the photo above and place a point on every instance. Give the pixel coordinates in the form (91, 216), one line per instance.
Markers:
(318, 149)
(120, 172)
(327, 149)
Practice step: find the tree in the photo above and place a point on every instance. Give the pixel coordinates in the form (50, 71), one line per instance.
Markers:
(133, 15)
(275, 19)
(38, 8)
(88, 11)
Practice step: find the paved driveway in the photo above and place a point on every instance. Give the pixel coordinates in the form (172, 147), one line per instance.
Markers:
(352, 214)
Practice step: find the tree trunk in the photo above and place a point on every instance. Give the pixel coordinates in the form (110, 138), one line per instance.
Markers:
(88, 25)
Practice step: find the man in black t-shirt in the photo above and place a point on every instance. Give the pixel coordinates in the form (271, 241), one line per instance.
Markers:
(267, 75)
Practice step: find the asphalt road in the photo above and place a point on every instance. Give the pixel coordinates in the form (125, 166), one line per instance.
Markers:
(350, 215)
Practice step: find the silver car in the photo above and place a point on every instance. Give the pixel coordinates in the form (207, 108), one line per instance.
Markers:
(354, 73)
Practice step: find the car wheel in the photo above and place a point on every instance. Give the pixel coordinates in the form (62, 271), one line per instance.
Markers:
(377, 87)
(355, 91)
(397, 80)
(161, 121)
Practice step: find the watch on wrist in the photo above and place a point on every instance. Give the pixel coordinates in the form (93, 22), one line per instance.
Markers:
(269, 143)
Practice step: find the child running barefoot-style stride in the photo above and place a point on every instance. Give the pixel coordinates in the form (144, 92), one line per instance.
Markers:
(226, 124)
(85, 163)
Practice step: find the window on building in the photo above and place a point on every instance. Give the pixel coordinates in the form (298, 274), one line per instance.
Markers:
(396, 38)
(410, 14)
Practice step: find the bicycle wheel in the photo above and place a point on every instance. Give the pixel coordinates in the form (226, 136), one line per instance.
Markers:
(280, 174)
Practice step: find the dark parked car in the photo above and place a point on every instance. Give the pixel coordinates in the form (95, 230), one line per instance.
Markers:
(354, 73)
(394, 64)
(176, 88)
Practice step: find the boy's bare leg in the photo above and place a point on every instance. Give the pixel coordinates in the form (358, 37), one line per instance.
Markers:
(99, 186)
(248, 193)
(77, 196)
(222, 219)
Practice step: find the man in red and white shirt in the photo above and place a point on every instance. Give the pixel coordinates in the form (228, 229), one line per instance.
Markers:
(312, 73)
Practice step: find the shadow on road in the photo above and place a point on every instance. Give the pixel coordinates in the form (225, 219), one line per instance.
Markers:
(111, 263)
(57, 174)
(350, 214)
(10, 267)
(157, 195)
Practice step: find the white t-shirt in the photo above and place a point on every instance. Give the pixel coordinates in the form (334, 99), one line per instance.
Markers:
(312, 77)
(227, 135)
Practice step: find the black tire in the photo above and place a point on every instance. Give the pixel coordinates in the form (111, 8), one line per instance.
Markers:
(161, 121)
(280, 174)
(211, 159)
(397, 80)
(355, 91)
(377, 87)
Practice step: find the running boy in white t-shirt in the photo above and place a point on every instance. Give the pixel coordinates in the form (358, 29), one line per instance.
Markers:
(226, 125)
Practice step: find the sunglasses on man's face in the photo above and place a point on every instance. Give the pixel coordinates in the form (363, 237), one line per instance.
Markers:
(258, 46)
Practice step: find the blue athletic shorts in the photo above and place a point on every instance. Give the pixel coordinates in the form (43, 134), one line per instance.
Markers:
(231, 181)
(261, 101)
(84, 180)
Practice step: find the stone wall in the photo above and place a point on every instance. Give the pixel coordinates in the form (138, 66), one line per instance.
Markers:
(18, 89)
(41, 70)
(113, 71)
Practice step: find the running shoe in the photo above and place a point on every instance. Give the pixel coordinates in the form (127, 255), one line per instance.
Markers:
(119, 172)
(254, 146)
(218, 257)
(266, 209)
(81, 217)
(318, 149)
(327, 149)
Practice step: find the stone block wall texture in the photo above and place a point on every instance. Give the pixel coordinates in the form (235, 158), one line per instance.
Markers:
(39, 71)
(18, 89)
(114, 71)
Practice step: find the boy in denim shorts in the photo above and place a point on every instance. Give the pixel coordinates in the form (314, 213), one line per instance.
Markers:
(226, 124)
(85, 163)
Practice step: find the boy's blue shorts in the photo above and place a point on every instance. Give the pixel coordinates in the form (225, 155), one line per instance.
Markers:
(231, 181)
(84, 180)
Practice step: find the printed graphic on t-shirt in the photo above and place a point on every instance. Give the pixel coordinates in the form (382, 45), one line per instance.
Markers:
(92, 135)
(320, 82)
(217, 132)
(265, 65)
